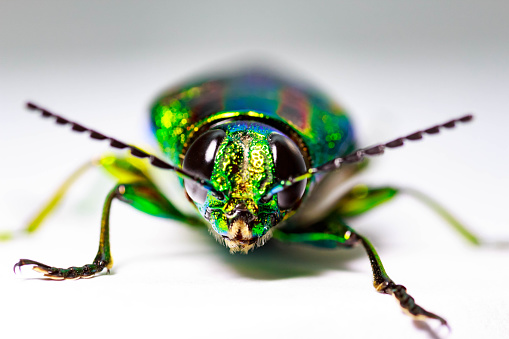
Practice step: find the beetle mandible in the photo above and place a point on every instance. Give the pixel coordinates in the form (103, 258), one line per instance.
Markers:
(250, 147)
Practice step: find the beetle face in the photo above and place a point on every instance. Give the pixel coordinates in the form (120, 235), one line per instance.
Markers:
(244, 159)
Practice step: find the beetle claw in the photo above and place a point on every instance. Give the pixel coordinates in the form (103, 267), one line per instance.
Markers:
(23, 262)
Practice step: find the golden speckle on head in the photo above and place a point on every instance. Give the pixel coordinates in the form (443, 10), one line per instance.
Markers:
(256, 157)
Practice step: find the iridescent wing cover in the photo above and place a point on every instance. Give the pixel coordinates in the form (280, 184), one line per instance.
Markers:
(319, 126)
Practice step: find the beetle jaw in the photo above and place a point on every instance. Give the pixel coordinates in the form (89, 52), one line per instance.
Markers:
(242, 244)
(240, 236)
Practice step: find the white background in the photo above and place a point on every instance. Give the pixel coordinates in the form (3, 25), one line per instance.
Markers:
(397, 67)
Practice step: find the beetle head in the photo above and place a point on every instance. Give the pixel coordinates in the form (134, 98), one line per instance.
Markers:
(243, 160)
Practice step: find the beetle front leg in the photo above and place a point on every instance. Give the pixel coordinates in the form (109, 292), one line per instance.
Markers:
(384, 284)
(135, 188)
(102, 259)
(332, 232)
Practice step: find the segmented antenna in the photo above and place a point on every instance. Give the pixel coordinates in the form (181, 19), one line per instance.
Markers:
(135, 151)
(360, 154)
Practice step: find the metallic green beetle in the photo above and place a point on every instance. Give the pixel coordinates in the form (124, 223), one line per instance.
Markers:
(250, 147)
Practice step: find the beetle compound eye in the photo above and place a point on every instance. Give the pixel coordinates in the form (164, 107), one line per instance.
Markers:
(199, 161)
(288, 161)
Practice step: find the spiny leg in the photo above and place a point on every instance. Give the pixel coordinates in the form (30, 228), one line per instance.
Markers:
(331, 232)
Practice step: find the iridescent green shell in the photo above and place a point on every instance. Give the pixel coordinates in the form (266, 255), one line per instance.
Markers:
(317, 125)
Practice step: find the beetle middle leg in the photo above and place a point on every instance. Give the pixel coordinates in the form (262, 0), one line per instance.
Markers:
(362, 198)
(331, 232)
(135, 188)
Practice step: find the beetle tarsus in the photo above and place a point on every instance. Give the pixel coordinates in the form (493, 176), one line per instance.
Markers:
(384, 284)
(408, 304)
(71, 273)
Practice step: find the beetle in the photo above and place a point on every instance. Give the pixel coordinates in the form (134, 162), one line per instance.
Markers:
(249, 147)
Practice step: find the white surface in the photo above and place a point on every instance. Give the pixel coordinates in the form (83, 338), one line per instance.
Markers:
(397, 67)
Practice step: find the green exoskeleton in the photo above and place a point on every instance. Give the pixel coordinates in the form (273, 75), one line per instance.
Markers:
(250, 148)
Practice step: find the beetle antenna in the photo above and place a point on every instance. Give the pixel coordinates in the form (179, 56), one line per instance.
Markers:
(360, 154)
(135, 151)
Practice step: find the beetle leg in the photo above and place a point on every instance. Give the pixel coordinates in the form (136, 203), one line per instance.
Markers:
(124, 170)
(362, 198)
(384, 284)
(102, 260)
(332, 232)
(51, 203)
(137, 189)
